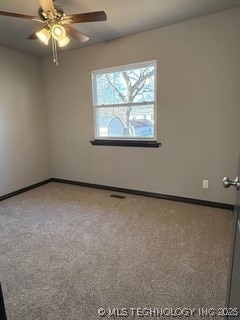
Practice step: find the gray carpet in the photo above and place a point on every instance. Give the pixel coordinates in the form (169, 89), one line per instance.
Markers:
(66, 251)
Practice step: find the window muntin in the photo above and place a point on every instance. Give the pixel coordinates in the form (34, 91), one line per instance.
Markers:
(124, 102)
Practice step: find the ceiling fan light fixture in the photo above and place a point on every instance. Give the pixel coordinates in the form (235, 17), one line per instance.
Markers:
(44, 35)
(58, 32)
(63, 41)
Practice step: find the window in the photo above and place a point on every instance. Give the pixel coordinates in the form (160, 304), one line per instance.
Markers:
(124, 100)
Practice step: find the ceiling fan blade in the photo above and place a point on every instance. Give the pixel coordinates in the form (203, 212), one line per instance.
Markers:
(17, 15)
(76, 34)
(87, 17)
(33, 36)
(47, 5)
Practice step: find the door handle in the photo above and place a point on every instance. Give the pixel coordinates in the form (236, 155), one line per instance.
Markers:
(227, 182)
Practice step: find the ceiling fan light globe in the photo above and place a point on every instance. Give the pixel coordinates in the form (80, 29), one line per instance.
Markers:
(58, 32)
(63, 41)
(44, 35)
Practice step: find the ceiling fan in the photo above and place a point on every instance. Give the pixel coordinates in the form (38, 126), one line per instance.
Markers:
(57, 24)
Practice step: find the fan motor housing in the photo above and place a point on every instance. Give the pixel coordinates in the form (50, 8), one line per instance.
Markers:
(43, 15)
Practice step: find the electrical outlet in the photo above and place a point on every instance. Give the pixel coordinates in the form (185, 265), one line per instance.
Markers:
(205, 184)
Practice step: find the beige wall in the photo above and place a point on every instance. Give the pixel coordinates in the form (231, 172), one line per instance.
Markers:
(23, 136)
(198, 110)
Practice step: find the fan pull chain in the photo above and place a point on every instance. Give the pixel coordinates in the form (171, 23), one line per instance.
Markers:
(55, 53)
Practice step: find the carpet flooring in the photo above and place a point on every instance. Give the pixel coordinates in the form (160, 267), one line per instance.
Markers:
(66, 251)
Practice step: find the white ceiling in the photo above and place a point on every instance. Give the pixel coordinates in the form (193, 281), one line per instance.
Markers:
(125, 17)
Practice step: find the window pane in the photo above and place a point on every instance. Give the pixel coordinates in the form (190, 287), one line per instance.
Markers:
(125, 86)
(126, 122)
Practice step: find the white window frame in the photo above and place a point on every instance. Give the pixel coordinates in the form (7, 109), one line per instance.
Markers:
(154, 103)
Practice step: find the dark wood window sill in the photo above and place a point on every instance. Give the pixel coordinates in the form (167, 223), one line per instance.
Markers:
(126, 143)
